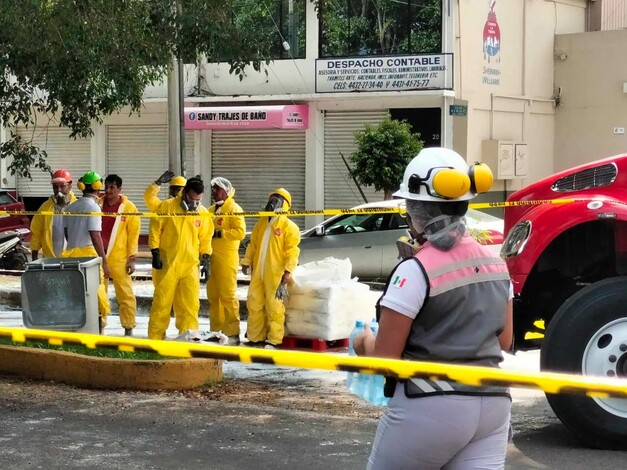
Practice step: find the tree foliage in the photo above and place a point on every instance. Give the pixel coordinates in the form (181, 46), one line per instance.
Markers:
(77, 61)
(375, 27)
(382, 154)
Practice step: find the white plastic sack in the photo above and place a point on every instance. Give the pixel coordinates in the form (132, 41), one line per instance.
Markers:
(195, 336)
(328, 269)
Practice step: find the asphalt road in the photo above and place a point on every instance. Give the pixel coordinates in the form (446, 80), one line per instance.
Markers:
(260, 417)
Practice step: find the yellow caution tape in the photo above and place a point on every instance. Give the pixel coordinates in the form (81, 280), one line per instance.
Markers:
(305, 213)
(602, 387)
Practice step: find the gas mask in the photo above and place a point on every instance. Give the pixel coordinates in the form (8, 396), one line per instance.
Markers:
(189, 205)
(275, 204)
(61, 199)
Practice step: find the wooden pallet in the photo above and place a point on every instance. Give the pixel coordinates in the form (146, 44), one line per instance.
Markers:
(314, 344)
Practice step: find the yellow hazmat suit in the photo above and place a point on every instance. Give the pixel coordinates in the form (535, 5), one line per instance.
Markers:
(273, 249)
(41, 229)
(151, 198)
(181, 240)
(222, 284)
(122, 245)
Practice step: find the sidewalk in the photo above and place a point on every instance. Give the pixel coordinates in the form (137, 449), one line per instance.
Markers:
(10, 293)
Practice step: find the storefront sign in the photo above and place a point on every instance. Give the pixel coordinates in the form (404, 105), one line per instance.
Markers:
(394, 73)
(248, 117)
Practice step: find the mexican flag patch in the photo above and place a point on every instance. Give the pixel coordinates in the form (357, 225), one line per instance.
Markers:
(399, 282)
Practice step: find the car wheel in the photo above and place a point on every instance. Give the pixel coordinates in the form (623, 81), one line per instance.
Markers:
(588, 335)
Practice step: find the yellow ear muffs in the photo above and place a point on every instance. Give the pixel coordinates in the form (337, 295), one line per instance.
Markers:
(80, 185)
(97, 185)
(481, 178)
(451, 183)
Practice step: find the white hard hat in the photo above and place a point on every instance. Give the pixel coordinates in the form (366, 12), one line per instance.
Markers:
(438, 174)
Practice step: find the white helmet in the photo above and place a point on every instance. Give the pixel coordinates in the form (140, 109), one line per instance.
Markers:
(440, 175)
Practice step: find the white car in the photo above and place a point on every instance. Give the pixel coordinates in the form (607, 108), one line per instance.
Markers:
(369, 240)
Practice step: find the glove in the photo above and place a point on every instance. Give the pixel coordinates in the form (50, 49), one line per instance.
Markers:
(130, 266)
(166, 177)
(156, 259)
(205, 260)
(217, 234)
(281, 292)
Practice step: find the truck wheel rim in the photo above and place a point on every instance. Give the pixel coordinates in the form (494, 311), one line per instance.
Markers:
(606, 356)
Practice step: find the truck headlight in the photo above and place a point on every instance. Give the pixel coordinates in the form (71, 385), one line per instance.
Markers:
(516, 240)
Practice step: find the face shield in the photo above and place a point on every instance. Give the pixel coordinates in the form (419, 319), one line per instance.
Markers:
(275, 203)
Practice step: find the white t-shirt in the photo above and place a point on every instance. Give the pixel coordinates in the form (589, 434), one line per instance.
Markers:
(78, 227)
(408, 288)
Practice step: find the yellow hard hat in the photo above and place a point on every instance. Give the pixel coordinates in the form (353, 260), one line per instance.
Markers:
(178, 181)
(285, 195)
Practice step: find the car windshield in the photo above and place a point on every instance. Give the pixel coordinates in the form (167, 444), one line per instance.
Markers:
(5, 198)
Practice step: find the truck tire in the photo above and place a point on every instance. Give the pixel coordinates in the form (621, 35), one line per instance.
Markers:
(588, 335)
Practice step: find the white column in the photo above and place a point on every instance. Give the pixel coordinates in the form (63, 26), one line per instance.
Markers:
(314, 165)
(99, 149)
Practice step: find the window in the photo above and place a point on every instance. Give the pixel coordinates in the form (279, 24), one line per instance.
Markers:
(380, 27)
(5, 198)
(283, 22)
(355, 223)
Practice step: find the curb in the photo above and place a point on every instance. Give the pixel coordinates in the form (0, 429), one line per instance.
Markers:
(13, 298)
(106, 373)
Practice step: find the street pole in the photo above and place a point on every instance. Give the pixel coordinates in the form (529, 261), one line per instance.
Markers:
(174, 128)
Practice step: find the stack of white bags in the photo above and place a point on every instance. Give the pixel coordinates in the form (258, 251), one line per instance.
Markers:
(324, 302)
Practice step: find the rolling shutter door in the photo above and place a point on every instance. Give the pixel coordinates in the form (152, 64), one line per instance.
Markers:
(63, 152)
(257, 162)
(139, 154)
(340, 191)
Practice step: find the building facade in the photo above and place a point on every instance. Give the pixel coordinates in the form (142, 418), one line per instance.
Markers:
(475, 76)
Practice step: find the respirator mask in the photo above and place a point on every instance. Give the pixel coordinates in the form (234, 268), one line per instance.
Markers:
(61, 199)
(275, 204)
(189, 205)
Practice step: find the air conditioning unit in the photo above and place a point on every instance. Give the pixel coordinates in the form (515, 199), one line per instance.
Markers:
(509, 159)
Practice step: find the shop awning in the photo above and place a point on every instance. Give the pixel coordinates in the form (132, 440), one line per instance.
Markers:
(247, 117)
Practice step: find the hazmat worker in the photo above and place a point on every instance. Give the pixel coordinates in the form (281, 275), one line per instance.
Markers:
(151, 198)
(151, 195)
(120, 237)
(272, 255)
(47, 232)
(84, 235)
(176, 243)
(222, 284)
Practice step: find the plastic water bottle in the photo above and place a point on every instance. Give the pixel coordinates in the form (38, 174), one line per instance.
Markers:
(374, 388)
(353, 379)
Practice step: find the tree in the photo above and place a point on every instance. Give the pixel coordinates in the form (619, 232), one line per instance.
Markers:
(77, 61)
(382, 154)
(371, 27)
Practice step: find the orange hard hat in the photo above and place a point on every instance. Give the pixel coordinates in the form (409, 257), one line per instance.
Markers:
(61, 176)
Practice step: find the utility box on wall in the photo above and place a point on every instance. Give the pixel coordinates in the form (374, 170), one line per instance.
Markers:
(509, 160)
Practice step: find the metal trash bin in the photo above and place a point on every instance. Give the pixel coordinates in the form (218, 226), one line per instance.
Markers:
(61, 294)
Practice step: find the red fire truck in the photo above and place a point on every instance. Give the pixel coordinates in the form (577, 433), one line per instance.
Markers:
(568, 263)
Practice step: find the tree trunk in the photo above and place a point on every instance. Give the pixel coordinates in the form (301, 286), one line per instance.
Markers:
(387, 194)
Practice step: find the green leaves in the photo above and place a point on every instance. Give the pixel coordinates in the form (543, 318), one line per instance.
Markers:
(382, 154)
(78, 61)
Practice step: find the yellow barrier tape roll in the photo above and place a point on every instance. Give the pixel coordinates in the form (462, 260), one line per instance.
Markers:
(548, 382)
(306, 213)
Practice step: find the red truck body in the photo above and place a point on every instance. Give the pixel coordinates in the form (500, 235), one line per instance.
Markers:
(568, 263)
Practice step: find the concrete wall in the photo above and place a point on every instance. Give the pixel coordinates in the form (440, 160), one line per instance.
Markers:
(590, 70)
(510, 94)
